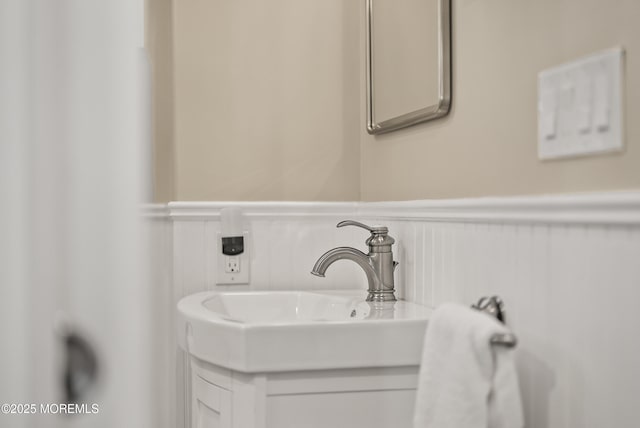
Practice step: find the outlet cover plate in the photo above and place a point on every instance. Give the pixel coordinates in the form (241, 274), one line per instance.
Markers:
(231, 278)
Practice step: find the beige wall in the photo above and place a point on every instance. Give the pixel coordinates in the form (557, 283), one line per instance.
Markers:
(488, 144)
(159, 42)
(266, 100)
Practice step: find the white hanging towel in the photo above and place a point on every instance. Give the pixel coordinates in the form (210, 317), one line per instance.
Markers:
(465, 382)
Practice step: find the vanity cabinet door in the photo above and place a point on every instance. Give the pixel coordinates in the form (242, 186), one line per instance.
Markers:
(211, 405)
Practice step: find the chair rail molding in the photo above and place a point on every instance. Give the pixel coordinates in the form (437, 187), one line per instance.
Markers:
(613, 208)
(588, 208)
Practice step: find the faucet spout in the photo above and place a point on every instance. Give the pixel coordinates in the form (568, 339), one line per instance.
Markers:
(348, 253)
(380, 287)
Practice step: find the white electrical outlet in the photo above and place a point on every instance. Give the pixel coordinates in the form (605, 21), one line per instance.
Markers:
(232, 269)
(232, 264)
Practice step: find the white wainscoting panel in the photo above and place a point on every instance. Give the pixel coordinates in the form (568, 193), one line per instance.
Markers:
(569, 273)
(284, 242)
(567, 267)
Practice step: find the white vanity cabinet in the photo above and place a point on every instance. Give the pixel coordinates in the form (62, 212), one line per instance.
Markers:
(299, 359)
(337, 398)
(211, 405)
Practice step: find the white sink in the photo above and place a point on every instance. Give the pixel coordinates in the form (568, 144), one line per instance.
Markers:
(285, 307)
(298, 330)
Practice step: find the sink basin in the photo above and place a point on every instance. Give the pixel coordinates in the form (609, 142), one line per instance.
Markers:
(299, 330)
(284, 307)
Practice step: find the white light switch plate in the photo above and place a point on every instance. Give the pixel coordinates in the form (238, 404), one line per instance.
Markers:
(232, 269)
(580, 106)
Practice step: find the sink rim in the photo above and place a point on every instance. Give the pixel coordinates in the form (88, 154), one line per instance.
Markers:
(196, 302)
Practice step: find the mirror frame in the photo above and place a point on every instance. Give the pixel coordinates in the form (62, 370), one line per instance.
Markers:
(443, 105)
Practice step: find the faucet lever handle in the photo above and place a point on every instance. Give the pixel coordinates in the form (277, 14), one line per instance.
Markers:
(373, 229)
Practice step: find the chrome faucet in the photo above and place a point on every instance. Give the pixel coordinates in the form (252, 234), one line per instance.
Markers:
(378, 265)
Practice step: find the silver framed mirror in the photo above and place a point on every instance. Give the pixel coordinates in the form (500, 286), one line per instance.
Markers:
(408, 62)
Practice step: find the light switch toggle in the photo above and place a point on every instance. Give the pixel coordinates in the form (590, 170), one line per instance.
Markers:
(583, 105)
(602, 103)
(548, 112)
